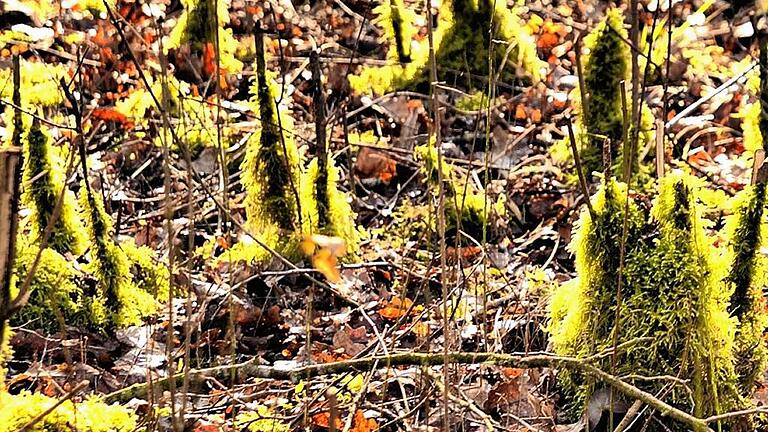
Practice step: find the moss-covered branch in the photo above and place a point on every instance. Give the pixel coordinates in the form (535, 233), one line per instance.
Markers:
(253, 368)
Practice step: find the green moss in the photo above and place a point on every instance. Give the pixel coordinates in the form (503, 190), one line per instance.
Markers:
(55, 289)
(671, 293)
(459, 46)
(271, 168)
(148, 275)
(5, 353)
(339, 215)
(43, 183)
(744, 231)
(119, 301)
(91, 415)
(465, 204)
(196, 26)
(606, 65)
(39, 82)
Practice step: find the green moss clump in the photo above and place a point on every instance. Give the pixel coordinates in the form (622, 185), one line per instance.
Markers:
(671, 294)
(119, 301)
(465, 204)
(90, 415)
(43, 183)
(39, 81)
(148, 275)
(606, 65)
(272, 166)
(746, 278)
(459, 46)
(5, 353)
(339, 215)
(55, 289)
(197, 26)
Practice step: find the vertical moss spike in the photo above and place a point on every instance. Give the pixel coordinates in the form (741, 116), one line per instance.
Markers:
(402, 46)
(43, 182)
(271, 167)
(606, 66)
(119, 301)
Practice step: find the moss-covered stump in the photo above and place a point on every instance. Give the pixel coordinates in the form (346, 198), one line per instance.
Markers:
(339, 217)
(672, 293)
(459, 47)
(43, 183)
(119, 301)
(606, 65)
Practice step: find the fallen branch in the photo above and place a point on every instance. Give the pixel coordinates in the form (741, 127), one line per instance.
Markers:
(253, 368)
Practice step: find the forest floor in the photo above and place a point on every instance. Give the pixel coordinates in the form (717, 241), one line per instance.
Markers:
(388, 301)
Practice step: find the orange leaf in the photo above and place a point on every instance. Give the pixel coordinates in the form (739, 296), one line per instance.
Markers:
(520, 113)
(324, 251)
(363, 424)
(209, 59)
(395, 308)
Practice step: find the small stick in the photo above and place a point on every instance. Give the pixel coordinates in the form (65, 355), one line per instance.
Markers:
(579, 169)
(83, 384)
(582, 85)
(659, 148)
(757, 163)
(333, 413)
(625, 113)
(606, 159)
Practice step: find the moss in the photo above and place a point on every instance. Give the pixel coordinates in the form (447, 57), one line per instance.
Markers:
(148, 275)
(271, 167)
(43, 183)
(196, 26)
(744, 231)
(90, 415)
(119, 301)
(459, 47)
(39, 83)
(606, 65)
(55, 289)
(465, 203)
(671, 294)
(339, 215)
(5, 353)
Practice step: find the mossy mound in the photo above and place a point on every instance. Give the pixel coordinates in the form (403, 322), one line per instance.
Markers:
(672, 293)
(43, 183)
(460, 48)
(197, 27)
(467, 207)
(606, 66)
(119, 300)
(339, 215)
(90, 415)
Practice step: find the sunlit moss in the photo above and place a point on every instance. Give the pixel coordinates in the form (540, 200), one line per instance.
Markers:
(605, 66)
(746, 277)
(197, 26)
(671, 294)
(125, 303)
(39, 83)
(272, 166)
(466, 206)
(339, 215)
(90, 415)
(148, 275)
(55, 289)
(5, 353)
(43, 183)
(459, 46)
(261, 419)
